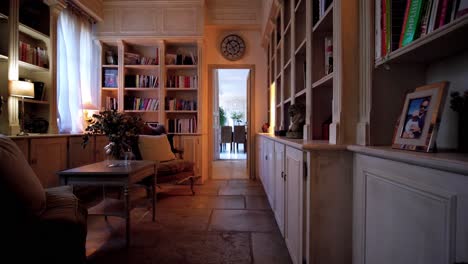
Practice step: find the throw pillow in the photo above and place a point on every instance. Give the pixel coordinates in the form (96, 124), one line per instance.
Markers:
(151, 130)
(155, 148)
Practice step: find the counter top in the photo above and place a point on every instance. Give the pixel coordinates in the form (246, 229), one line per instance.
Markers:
(37, 135)
(306, 145)
(447, 161)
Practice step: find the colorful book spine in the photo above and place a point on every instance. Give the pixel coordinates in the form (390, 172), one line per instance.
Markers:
(443, 13)
(425, 19)
(384, 28)
(412, 22)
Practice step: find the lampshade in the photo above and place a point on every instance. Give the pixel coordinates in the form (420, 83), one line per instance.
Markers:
(21, 89)
(89, 106)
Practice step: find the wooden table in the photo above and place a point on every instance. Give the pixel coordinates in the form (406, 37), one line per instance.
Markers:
(114, 173)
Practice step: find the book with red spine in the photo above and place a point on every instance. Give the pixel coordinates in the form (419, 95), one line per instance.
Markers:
(442, 13)
(384, 28)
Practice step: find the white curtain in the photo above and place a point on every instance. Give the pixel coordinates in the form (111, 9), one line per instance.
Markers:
(77, 67)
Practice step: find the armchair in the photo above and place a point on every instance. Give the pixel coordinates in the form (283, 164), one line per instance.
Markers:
(172, 169)
(39, 225)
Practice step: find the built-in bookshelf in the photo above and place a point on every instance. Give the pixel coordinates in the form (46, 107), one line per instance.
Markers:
(399, 58)
(33, 65)
(157, 79)
(303, 66)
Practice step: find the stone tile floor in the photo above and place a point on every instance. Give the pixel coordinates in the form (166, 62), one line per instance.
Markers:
(227, 221)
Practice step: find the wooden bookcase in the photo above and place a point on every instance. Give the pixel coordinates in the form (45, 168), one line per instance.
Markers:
(385, 81)
(296, 67)
(177, 91)
(33, 65)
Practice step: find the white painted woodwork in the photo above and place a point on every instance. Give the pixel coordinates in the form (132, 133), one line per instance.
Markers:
(91, 7)
(239, 13)
(270, 171)
(407, 213)
(151, 18)
(79, 156)
(294, 201)
(279, 208)
(47, 156)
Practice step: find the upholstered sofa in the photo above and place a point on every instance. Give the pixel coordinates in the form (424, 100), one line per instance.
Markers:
(38, 225)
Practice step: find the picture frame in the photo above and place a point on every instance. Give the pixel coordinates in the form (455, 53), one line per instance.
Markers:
(110, 78)
(417, 126)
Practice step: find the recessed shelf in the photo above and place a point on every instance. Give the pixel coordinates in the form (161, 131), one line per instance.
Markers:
(31, 101)
(141, 89)
(31, 67)
(287, 63)
(301, 93)
(33, 33)
(300, 46)
(181, 89)
(325, 23)
(110, 66)
(445, 41)
(140, 111)
(109, 88)
(181, 66)
(297, 5)
(142, 67)
(325, 81)
(288, 27)
(181, 111)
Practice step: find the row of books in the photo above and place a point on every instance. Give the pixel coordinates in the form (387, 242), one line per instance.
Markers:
(400, 22)
(137, 59)
(182, 125)
(182, 81)
(137, 103)
(33, 55)
(328, 55)
(188, 58)
(173, 104)
(111, 103)
(142, 81)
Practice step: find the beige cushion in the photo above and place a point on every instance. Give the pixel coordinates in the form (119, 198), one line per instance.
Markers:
(18, 182)
(155, 148)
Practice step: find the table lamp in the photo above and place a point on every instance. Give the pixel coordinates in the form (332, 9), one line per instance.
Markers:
(88, 110)
(24, 90)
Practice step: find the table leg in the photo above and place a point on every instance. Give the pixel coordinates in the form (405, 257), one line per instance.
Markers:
(127, 215)
(153, 192)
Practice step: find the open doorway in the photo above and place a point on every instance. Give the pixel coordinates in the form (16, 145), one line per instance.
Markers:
(230, 87)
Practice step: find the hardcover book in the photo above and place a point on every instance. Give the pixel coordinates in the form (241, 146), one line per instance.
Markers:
(412, 22)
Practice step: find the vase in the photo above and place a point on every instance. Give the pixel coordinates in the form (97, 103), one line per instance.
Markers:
(463, 133)
(113, 151)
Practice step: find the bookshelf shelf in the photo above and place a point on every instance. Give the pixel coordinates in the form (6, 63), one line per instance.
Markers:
(300, 93)
(447, 40)
(110, 66)
(181, 66)
(181, 111)
(297, 5)
(31, 67)
(143, 67)
(301, 47)
(30, 101)
(3, 57)
(182, 89)
(325, 23)
(324, 82)
(287, 63)
(288, 27)
(141, 89)
(140, 111)
(109, 89)
(287, 100)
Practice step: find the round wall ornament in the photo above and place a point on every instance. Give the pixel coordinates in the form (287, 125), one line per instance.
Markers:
(232, 47)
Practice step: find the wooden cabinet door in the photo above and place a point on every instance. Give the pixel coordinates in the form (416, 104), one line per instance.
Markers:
(100, 143)
(279, 186)
(294, 177)
(48, 155)
(77, 155)
(23, 145)
(270, 171)
(192, 151)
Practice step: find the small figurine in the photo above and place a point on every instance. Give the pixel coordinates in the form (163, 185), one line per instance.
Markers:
(297, 114)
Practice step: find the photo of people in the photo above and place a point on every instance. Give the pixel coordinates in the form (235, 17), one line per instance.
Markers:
(415, 117)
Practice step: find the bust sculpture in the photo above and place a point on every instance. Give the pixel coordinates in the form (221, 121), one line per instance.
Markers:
(297, 114)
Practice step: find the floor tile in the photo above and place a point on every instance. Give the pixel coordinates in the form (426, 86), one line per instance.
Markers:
(242, 220)
(235, 190)
(221, 202)
(269, 248)
(257, 202)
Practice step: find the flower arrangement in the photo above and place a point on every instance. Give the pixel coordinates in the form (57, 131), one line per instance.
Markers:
(121, 129)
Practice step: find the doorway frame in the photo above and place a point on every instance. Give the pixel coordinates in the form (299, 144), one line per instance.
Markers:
(250, 161)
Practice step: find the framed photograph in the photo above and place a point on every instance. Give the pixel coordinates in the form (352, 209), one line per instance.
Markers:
(417, 126)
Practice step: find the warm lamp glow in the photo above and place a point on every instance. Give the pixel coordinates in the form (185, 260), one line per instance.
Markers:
(89, 106)
(21, 89)
(272, 108)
